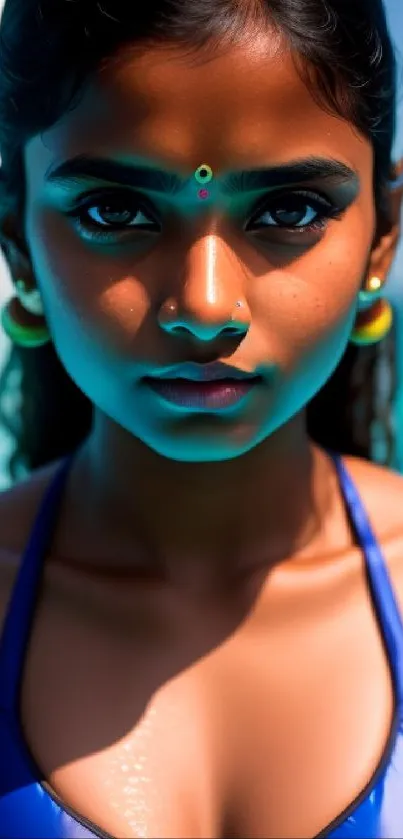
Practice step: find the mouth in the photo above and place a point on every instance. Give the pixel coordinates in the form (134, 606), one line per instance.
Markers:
(204, 388)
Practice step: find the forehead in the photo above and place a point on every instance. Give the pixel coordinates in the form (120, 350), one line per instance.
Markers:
(246, 105)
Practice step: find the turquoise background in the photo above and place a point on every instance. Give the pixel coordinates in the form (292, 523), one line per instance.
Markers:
(395, 14)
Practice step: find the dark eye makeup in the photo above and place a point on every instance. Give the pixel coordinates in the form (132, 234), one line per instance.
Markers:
(113, 203)
(114, 215)
(293, 204)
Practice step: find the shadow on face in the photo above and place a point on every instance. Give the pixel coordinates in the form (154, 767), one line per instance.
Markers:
(261, 274)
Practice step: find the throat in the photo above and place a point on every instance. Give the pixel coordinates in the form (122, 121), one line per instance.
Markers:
(192, 534)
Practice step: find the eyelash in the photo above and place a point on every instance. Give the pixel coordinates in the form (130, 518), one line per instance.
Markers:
(324, 208)
(95, 231)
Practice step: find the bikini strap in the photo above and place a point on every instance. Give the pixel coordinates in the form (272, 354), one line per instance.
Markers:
(381, 588)
(21, 608)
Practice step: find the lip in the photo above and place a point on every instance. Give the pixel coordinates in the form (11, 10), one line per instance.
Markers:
(213, 372)
(210, 395)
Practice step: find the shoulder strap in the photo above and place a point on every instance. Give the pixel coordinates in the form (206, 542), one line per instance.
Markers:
(380, 584)
(21, 607)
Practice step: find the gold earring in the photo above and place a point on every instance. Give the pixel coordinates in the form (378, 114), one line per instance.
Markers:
(372, 292)
(22, 318)
(375, 315)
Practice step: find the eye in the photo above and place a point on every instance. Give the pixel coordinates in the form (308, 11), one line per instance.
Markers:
(113, 216)
(297, 212)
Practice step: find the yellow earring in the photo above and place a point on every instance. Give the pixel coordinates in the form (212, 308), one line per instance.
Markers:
(375, 315)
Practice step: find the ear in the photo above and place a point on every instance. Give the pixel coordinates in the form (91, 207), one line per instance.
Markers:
(15, 250)
(388, 226)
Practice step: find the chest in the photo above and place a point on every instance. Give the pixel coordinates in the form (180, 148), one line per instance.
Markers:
(264, 734)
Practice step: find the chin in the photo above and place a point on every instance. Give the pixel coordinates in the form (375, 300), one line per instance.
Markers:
(202, 448)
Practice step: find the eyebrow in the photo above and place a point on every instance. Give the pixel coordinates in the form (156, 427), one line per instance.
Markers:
(85, 167)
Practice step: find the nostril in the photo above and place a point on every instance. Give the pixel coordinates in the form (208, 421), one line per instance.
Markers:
(232, 330)
(205, 331)
(182, 330)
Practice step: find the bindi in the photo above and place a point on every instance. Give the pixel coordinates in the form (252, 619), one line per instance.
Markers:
(203, 175)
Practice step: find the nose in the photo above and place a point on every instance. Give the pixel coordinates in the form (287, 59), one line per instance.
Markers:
(210, 301)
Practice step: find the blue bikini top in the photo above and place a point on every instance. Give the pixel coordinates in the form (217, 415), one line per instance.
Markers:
(29, 810)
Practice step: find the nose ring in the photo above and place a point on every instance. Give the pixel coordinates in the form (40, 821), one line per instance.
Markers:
(168, 312)
(237, 316)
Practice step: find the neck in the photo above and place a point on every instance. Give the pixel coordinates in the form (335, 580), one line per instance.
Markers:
(173, 517)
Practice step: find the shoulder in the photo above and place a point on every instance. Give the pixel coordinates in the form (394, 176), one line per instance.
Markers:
(381, 491)
(18, 507)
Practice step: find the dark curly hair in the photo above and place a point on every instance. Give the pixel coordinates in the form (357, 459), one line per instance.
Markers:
(48, 49)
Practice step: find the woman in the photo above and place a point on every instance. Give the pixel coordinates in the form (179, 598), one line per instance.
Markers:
(200, 601)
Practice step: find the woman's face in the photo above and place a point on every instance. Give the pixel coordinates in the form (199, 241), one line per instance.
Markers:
(140, 275)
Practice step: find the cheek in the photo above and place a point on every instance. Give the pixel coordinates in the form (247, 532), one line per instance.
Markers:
(86, 289)
(305, 321)
(306, 373)
(311, 304)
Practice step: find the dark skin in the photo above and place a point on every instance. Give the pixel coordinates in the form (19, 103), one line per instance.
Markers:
(179, 617)
(203, 265)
